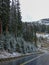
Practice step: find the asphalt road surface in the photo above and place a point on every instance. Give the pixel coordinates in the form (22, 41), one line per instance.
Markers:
(37, 59)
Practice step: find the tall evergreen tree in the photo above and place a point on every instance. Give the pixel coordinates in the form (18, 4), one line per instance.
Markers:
(19, 22)
(0, 8)
(13, 18)
(28, 32)
(0, 15)
(16, 23)
(4, 14)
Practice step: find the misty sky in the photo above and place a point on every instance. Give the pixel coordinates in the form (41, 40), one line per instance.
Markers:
(33, 10)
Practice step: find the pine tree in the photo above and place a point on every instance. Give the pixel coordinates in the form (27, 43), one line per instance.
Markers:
(0, 16)
(13, 17)
(19, 22)
(0, 8)
(35, 37)
(4, 14)
(28, 32)
(16, 23)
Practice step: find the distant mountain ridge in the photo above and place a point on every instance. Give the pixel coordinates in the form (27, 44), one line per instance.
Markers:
(44, 21)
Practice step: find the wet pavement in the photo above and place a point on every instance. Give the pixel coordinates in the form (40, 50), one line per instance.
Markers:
(37, 59)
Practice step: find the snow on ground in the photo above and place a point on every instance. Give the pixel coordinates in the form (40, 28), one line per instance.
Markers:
(45, 50)
(42, 35)
(5, 54)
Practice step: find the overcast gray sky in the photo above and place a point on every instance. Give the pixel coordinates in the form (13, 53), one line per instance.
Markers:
(33, 10)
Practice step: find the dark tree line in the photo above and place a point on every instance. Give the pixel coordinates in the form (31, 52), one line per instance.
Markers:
(10, 16)
(42, 28)
(4, 13)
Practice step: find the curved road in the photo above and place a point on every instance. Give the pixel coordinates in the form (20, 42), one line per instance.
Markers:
(38, 59)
